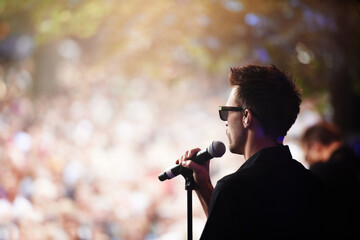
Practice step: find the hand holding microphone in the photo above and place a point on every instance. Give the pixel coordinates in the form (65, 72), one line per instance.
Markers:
(215, 149)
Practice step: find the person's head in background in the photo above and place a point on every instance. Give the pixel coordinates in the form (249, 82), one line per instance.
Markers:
(320, 141)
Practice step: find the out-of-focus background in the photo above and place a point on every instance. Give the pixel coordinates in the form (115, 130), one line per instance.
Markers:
(97, 97)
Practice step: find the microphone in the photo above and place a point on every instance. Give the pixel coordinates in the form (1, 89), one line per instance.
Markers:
(215, 149)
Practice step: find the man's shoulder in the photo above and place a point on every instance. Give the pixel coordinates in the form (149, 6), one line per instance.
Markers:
(284, 173)
(240, 179)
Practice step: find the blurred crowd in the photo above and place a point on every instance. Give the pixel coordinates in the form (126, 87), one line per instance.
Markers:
(82, 162)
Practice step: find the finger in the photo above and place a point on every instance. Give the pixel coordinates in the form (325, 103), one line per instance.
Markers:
(187, 157)
(192, 152)
(188, 154)
(182, 158)
(192, 165)
(186, 163)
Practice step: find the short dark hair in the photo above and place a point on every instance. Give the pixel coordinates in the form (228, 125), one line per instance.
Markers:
(270, 94)
(323, 132)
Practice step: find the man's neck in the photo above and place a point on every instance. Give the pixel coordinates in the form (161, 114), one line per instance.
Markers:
(254, 145)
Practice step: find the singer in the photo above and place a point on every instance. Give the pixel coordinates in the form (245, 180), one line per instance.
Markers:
(271, 196)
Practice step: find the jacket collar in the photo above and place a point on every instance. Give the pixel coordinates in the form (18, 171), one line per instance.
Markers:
(265, 154)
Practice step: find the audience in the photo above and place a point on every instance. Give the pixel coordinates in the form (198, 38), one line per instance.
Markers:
(82, 163)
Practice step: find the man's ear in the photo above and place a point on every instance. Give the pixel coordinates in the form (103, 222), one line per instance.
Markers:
(247, 118)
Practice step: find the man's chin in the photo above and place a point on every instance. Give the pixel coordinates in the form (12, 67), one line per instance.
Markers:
(235, 149)
(232, 148)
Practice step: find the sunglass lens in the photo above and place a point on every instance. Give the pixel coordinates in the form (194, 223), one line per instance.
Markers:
(223, 115)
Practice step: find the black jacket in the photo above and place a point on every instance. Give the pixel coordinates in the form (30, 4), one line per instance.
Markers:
(340, 175)
(271, 196)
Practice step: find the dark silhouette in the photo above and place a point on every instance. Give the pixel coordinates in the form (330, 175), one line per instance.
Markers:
(336, 165)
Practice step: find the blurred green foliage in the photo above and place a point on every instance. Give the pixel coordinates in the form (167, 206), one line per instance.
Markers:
(317, 41)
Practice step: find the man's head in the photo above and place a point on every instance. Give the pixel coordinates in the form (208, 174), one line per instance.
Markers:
(319, 141)
(270, 94)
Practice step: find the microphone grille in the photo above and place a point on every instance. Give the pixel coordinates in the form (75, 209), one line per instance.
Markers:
(217, 149)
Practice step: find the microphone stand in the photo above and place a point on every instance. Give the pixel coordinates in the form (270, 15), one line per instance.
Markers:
(189, 186)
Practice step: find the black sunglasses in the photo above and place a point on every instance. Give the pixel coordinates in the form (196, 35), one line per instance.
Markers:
(224, 111)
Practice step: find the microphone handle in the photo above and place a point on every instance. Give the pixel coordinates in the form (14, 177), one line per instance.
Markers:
(170, 173)
(201, 157)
